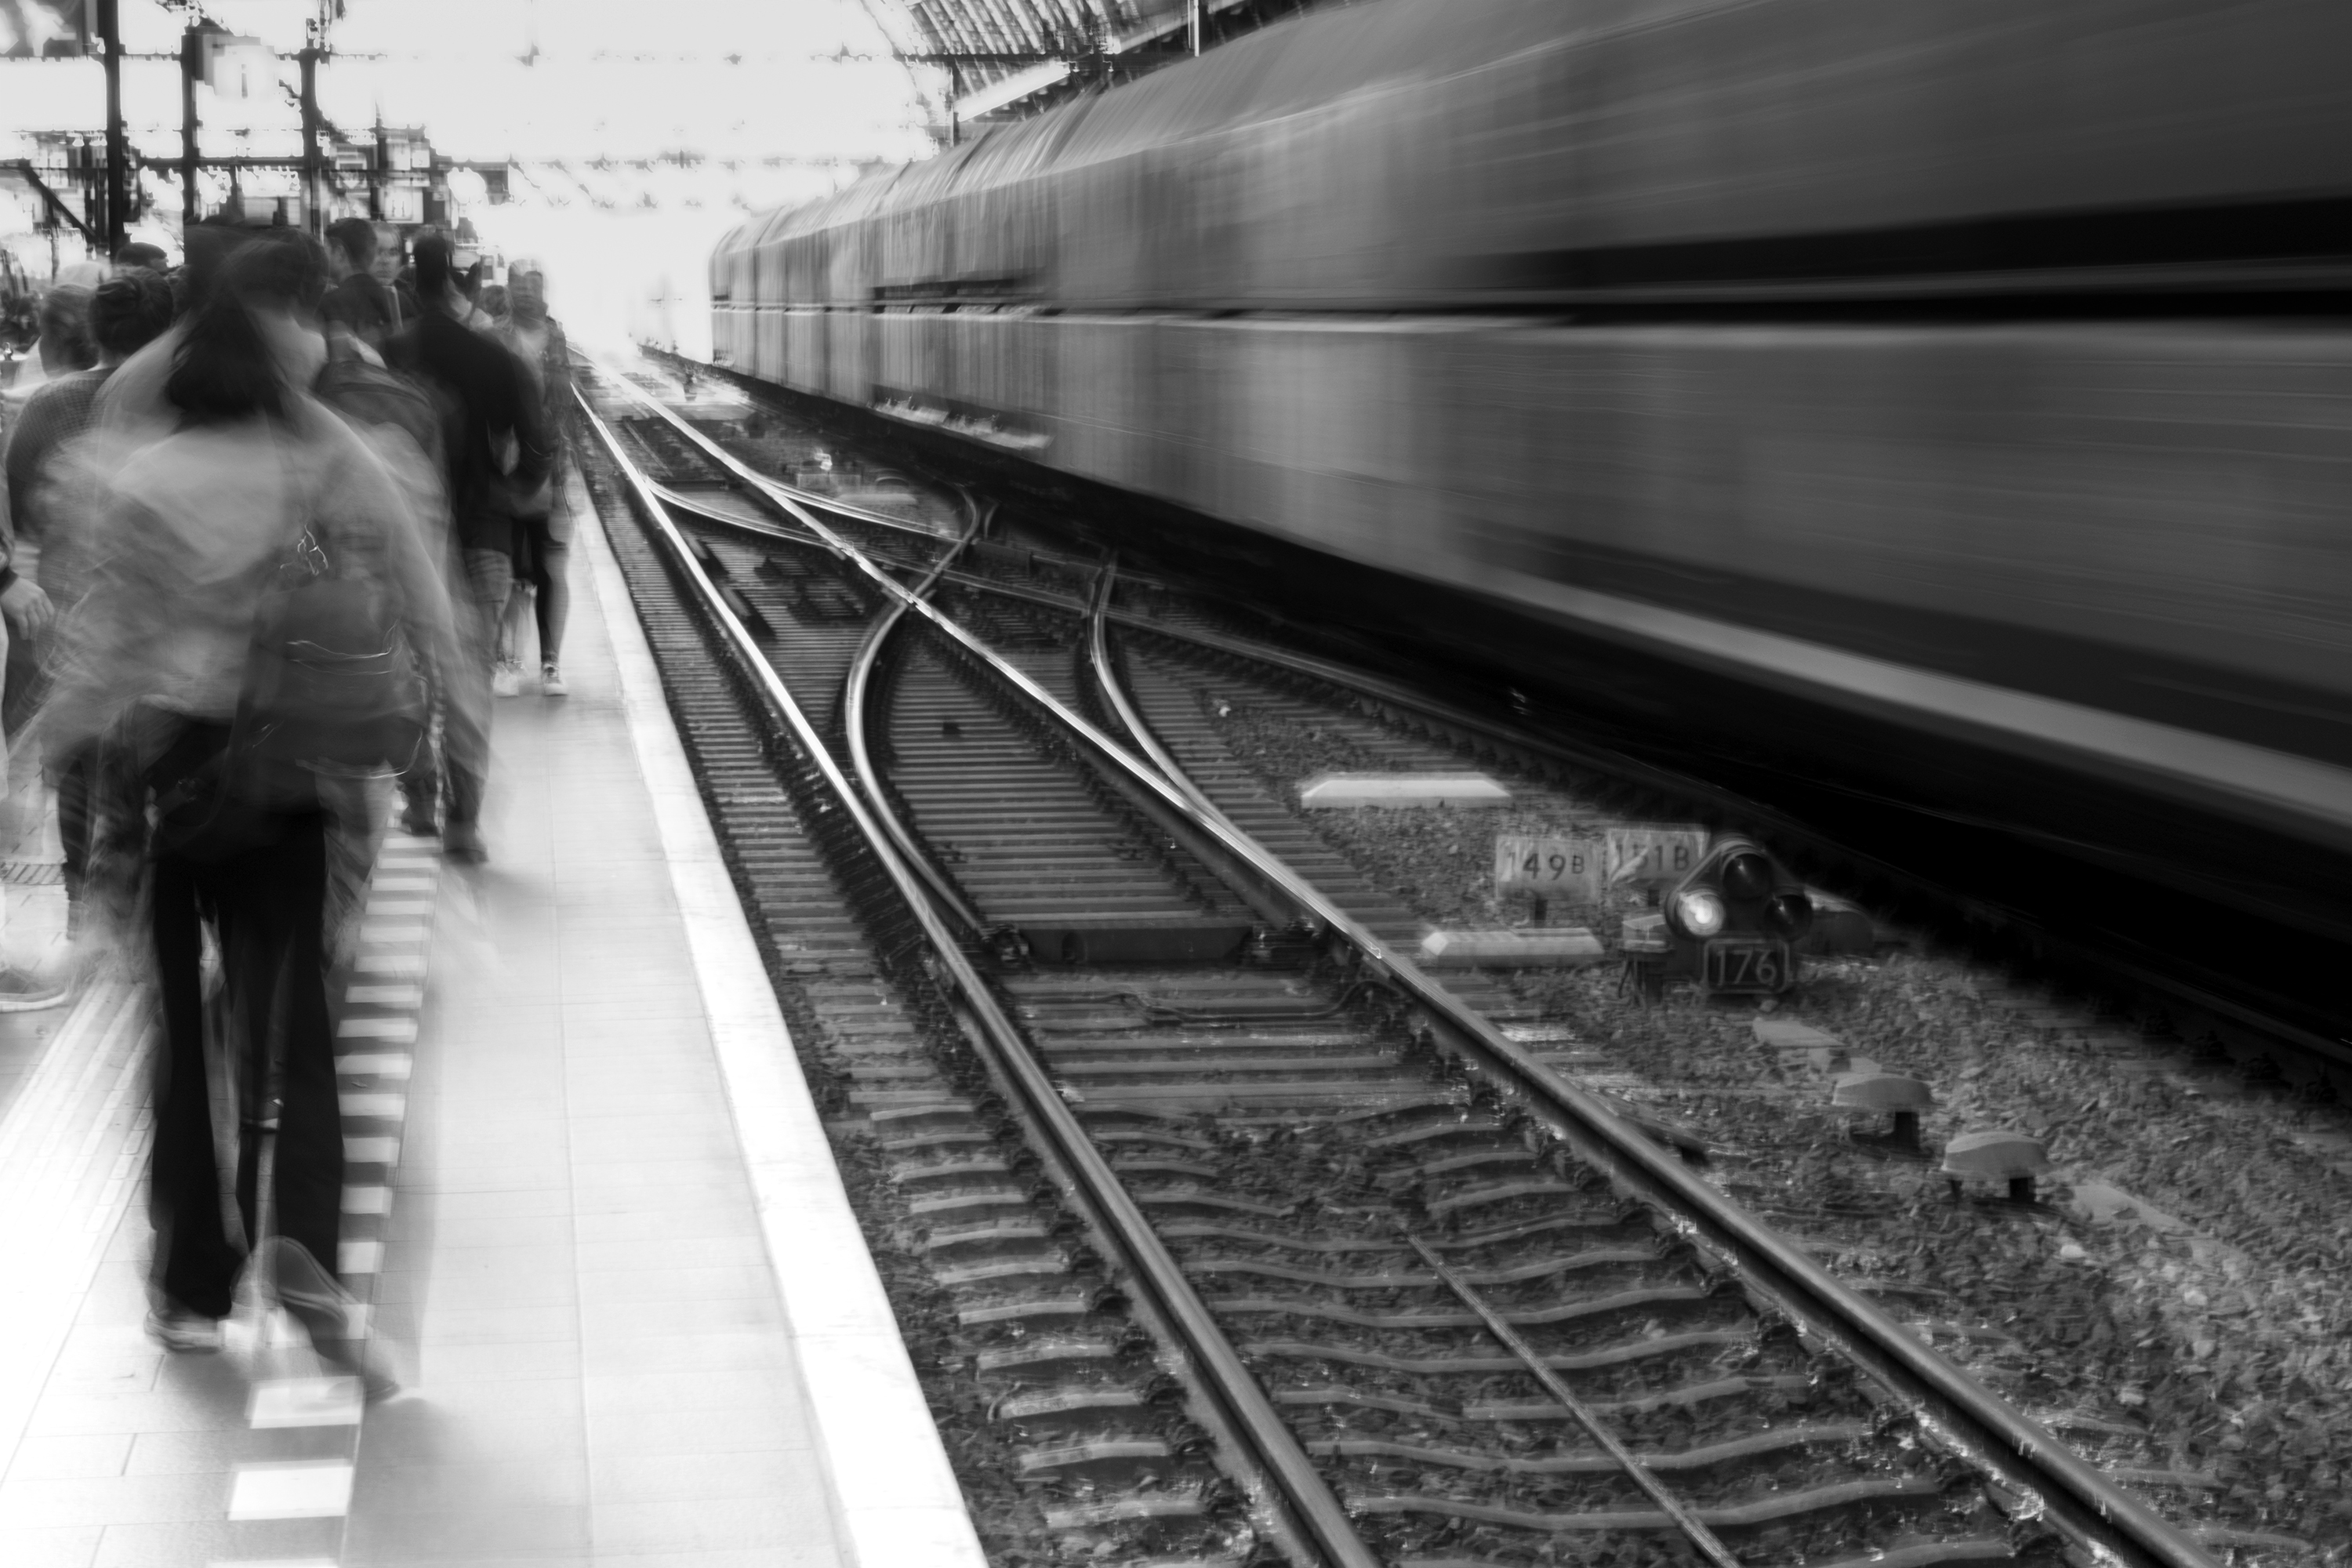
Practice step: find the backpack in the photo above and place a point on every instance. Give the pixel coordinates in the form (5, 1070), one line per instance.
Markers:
(331, 684)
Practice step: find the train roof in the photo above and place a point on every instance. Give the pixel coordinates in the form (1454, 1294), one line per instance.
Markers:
(1287, 68)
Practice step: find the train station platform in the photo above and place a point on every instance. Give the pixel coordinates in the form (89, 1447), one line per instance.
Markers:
(590, 1207)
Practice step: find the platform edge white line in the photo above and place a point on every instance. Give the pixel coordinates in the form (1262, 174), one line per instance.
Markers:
(895, 1496)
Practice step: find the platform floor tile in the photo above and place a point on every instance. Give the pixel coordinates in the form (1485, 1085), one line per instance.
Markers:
(601, 1368)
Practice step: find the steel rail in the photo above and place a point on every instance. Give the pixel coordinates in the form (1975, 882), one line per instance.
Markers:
(1363, 683)
(861, 758)
(2134, 967)
(1317, 1515)
(1114, 691)
(2026, 1452)
(2001, 1439)
(1694, 1529)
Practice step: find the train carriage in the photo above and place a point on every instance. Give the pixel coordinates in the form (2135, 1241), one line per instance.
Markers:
(1970, 369)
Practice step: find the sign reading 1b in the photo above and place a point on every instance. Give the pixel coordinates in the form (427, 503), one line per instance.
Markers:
(1655, 857)
(1567, 868)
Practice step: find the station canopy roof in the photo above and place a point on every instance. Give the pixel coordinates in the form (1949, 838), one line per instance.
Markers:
(1019, 56)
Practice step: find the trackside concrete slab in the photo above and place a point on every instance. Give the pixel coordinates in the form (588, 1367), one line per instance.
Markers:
(1512, 948)
(1461, 791)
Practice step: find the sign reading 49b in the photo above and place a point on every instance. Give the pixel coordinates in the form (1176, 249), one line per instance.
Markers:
(1568, 867)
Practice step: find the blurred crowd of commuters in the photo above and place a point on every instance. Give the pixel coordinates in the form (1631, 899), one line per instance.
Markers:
(276, 522)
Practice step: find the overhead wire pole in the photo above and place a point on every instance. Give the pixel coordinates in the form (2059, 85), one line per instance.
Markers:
(192, 44)
(312, 215)
(314, 49)
(117, 160)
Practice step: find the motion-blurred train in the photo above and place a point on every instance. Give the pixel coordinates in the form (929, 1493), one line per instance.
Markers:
(1961, 386)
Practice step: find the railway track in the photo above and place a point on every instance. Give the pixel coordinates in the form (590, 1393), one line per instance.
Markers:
(2269, 1005)
(1245, 1239)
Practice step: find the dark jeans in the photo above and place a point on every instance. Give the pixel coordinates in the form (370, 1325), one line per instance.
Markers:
(77, 776)
(264, 897)
(547, 549)
(420, 781)
(465, 694)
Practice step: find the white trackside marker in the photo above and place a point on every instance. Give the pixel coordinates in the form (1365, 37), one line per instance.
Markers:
(1326, 791)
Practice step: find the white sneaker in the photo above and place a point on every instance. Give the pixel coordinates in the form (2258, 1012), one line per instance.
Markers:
(176, 1329)
(505, 680)
(550, 682)
(317, 1299)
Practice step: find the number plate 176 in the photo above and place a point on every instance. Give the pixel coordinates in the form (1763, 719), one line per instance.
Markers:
(1749, 965)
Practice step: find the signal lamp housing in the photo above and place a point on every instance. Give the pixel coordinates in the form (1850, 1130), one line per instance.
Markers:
(1747, 877)
(1791, 914)
(1696, 911)
(1730, 925)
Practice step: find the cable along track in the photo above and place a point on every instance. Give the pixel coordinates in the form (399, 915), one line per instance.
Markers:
(1430, 1303)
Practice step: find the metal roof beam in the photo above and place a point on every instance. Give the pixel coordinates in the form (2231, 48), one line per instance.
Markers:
(1042, 25)
(1016, 36)
(1011, 89)
(955, 27)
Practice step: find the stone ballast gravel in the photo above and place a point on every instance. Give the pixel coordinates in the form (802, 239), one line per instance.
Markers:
(2162, 1350)
(2218, 1352)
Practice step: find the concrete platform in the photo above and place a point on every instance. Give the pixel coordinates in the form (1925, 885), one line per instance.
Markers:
(590, 1203)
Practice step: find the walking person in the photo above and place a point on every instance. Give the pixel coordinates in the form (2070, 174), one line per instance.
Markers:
(487, 410)
(400, 422)
(63, 345)
(358, 300)
(21, 990)
(544, 519)
(185, 660)
(389, 270)
(52, 492)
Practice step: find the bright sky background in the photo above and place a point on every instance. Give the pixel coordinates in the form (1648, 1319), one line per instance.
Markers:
(619, 79)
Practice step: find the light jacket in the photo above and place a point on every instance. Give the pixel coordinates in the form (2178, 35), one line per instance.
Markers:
(187, 533)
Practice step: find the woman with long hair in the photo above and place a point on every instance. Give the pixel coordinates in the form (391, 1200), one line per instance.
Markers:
(258, 495)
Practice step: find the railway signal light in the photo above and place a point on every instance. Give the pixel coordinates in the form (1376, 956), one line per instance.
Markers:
(1731, 924)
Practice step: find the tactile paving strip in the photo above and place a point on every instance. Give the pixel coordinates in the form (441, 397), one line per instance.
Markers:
(377, 993)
